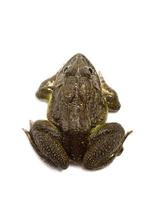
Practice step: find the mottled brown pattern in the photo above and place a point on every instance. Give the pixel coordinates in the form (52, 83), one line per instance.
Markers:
(79, 107)
(78, 103)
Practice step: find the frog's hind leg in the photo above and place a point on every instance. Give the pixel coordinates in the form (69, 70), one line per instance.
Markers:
(45, 139)
(104, 146)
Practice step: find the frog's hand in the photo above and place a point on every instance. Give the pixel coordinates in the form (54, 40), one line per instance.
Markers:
(45, 89)
(110, 96)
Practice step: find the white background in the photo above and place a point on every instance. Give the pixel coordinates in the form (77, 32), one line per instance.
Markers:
(36, 39)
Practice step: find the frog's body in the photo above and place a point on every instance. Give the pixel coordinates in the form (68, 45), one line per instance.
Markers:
(78, 103)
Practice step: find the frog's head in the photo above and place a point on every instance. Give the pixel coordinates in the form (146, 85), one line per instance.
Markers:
(79, 66)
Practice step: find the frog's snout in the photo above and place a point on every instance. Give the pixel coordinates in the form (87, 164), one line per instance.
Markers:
(78, 66)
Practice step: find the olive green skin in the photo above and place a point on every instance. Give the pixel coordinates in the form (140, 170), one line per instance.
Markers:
(78, 103)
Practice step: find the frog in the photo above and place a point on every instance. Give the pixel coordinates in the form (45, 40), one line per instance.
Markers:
(76, 131)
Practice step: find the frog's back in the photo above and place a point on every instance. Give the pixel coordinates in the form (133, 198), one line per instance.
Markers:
(77, 103)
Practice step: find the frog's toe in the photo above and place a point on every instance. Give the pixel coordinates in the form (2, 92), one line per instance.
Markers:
(46, 143)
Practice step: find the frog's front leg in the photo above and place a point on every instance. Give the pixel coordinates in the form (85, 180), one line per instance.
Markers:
(110, 96)
(45, 89)
(104, 146)
(46, 140)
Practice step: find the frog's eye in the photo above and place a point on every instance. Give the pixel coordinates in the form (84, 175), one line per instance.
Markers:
(65, 69)
(90, 70)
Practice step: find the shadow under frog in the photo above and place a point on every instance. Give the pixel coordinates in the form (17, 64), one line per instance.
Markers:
(76, 130)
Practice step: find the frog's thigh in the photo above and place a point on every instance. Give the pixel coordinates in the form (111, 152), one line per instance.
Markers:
(46, 141)
(104, 146)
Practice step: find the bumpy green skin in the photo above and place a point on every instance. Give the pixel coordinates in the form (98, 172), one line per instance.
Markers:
(76, 130)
